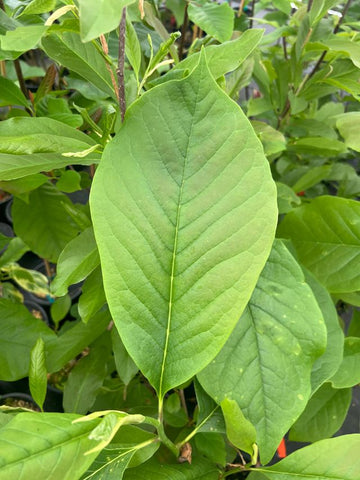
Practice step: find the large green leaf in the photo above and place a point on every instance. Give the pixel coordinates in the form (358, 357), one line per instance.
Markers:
(99, 16)
(278, 337)
(326, 235)
(334, 458)
(10, 94)
(228, 56)
(184, 221)
(45, 445)
(32, 145)
(83, 58)
(68, 345)
(348, 373)
(78, 259)
(19, 331)
(216, 20)
(323, 415)
(84, 382)
(44, 223)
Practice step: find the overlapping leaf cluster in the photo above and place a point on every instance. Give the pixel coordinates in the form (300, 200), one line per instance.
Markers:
(186, 338)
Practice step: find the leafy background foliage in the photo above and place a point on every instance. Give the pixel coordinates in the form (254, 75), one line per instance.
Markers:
(180, 339)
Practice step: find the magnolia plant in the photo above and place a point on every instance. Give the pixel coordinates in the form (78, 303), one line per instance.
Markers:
(214, 250)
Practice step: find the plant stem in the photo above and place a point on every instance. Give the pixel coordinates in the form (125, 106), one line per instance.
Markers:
(121, 64)
(318, 63)
(251, 22)
(166, 441)
(183, 32)
(283, 39)
(309, 5)
(241, 8)
(162, 435)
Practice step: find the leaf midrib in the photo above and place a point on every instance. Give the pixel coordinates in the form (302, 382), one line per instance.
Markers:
(173, 261)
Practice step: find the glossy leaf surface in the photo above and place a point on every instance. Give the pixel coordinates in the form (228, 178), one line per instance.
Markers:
(183, 227)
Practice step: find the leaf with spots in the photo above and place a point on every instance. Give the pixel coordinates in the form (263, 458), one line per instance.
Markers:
(266, 363)
(184, 219)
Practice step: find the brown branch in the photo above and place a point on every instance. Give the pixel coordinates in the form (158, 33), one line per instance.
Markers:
(183, 32)
(241, 8)
(343, 13)
(318, 63)
(309, 5)
(283, 39)
(121, 64)
(105, 49)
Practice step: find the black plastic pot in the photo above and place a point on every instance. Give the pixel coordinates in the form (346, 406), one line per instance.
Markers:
(5, 199)
(53, 400)
(18, 399)
(37, 311)
(8, 214)
(6, 230)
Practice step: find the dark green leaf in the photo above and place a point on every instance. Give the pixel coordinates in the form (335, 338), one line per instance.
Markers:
(93, 295)
(43, 223)
(84, 382)
(125, 365)
(323, 415)
(348, 373)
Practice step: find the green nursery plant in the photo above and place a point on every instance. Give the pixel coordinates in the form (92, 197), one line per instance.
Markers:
(216, 242)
